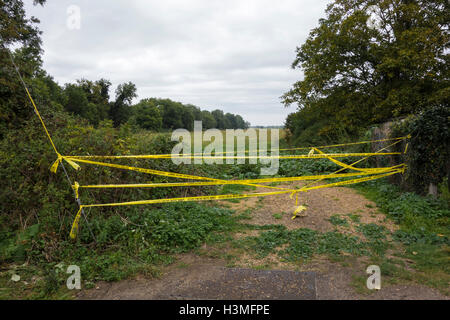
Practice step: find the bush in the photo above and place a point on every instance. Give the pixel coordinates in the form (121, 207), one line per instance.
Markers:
(428, 154)
(33, 195)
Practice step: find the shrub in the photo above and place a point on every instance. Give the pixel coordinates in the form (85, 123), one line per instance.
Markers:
(428, 154)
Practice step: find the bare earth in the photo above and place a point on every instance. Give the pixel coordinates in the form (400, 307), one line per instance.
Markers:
(205, 275)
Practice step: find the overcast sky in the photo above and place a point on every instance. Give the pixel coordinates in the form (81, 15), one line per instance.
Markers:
(231, 55)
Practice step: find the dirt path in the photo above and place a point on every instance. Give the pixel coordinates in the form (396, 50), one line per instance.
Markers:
(207, 275)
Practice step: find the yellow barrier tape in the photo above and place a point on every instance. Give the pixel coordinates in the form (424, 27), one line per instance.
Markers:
(224, 197)
(55, 165)
(40, 118)
(75, 188)
(169, 174)
(298, 211)
(74, 229)
(249, 181)
(342, 183)
(159, 156)
(187, 199)
(358, 161)
(361, 171)
(346, 166)
(300, 156)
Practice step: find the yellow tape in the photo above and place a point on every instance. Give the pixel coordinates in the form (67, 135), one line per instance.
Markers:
(164, 156)
(187, 199)
(40, 118)
(358, 161)
(55, 164)
(73, 159)
(346, 166)
(297, 211)
(75, 188)
(169, 174)
(342, 183)
(224, 182)
(301, 156)
(227, 196)
(74, 229)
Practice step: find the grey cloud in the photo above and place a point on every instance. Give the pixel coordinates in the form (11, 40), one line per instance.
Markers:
(233, 55)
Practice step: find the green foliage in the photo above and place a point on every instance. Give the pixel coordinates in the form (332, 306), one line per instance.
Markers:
(15, 247)
(336, 220)
(87, 99)
(428, 156)
(148, 116)
(301, 244)
(295, 167)
(354, 217)
(155, 114)
(17, 31)
(355, 75)
(421, 219)
(120, 109)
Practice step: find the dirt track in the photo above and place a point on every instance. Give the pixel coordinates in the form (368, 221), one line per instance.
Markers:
(205, 276)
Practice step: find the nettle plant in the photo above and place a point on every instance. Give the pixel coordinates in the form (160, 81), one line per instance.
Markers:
(428, 154)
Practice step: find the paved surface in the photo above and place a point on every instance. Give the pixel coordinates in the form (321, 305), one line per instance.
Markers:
(212, 283)
(237, 284)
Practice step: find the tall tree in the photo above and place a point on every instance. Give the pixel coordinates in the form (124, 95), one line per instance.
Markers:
(16, 30)
(120, 108)
(356, 73)
(220, 118)
(148, 115)
(208, 120)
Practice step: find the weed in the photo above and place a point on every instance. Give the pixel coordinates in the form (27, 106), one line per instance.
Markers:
(336, 220)
(354, 217)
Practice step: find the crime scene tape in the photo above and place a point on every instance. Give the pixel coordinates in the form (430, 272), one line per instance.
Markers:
(361, 174)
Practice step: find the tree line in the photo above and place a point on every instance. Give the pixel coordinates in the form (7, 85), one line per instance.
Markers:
(91, 100)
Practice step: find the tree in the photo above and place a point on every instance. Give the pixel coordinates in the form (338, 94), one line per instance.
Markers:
(230, 121)
(76, 99)
(172, 113)
(17, 31)
(147, 115)
(195, 111)
(356, 75)
(240, 123)
(220, 119)
(120, 108)
(88, 99)
(208, 120)
(187, 117)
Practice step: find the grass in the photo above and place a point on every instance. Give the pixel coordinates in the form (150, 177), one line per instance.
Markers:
(423, 235)
(422, 239)
(235, 189)
(354, 217)
(143, 246)
(300, 245)
(278, 216)
(154, 236)
(336, 220)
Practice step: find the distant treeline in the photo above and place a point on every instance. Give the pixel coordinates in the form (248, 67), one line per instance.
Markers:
(156, 114)
(91, 100)
(88, 99)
